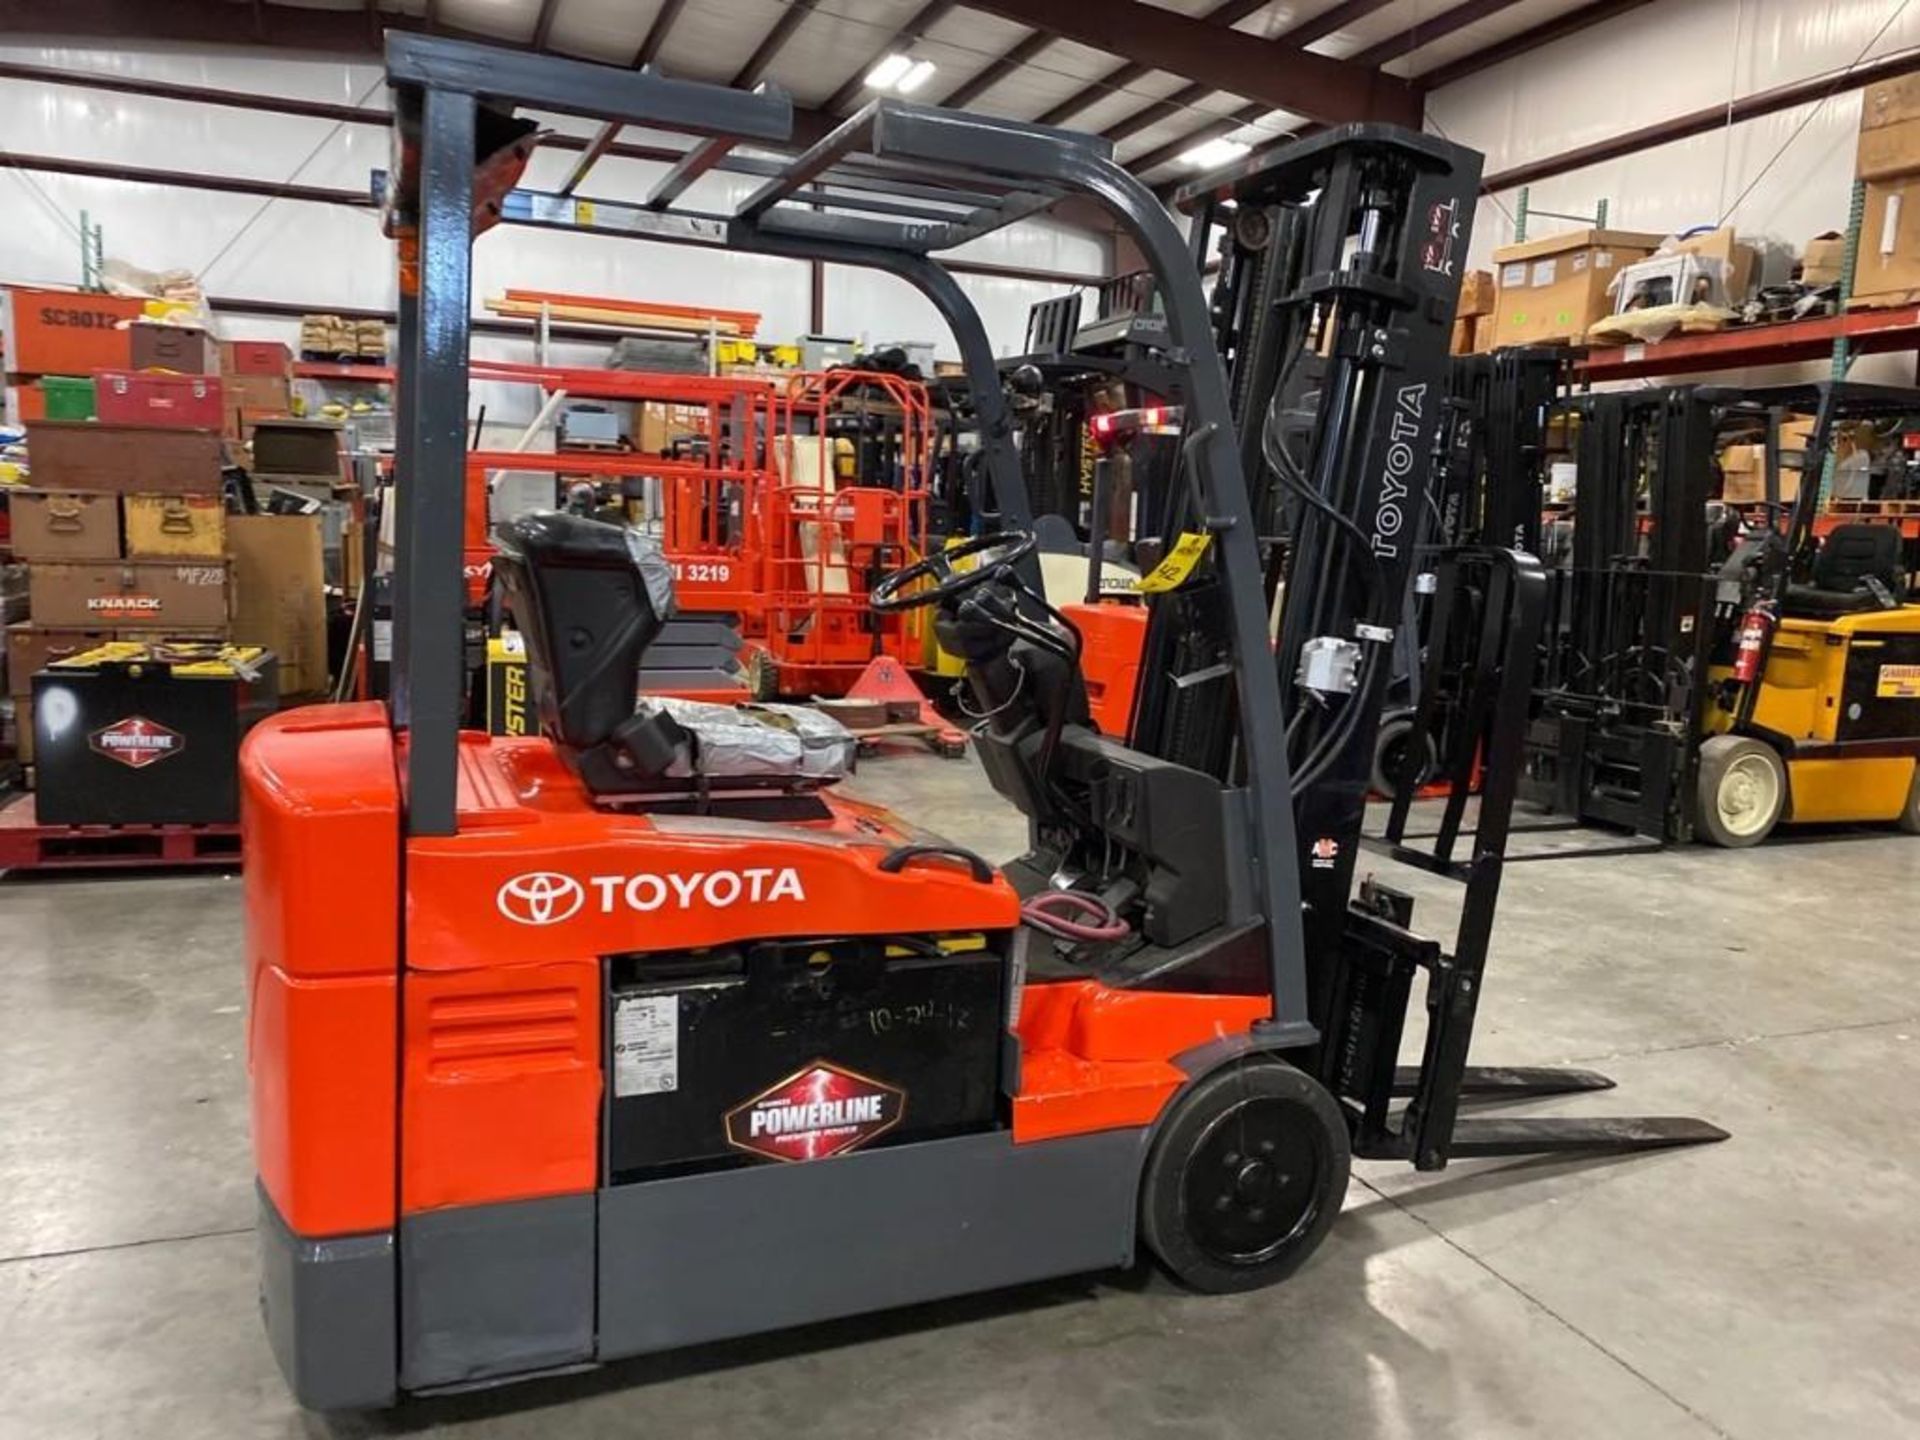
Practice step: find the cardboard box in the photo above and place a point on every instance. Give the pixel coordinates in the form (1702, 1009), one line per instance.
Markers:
(183, 349)
(1554, 288)
(1889, 261)
(1739, 261)
(1888, 152)
(65, 525)
(163, 527)
(1462, 342)
(31, 647)
(255, 358)
(86, 455)
(65, 332)
(1890, 102)
(1476, 293)
(1889, 129)
(657, 426)
(130, 594)
(1824, 260)
(1743, 469)
(278, 574)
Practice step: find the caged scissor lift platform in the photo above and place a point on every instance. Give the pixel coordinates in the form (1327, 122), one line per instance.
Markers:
(558, 1055)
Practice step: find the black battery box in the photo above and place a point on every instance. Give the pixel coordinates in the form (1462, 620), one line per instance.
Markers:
(800, 1050)
(147, 732)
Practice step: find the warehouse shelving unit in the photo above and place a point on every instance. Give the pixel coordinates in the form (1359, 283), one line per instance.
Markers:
(1866, 332)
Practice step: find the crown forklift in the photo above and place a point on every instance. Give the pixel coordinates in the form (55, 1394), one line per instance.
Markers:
(580, 1046)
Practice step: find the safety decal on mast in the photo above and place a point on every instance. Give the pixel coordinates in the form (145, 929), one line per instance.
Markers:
(1443, 229)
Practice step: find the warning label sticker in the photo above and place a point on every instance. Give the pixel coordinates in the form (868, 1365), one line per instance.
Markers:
(1898, 682)
(1172, 572)
(646, 1045)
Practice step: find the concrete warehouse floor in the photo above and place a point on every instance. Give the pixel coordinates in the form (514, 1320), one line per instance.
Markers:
(1760, 1288)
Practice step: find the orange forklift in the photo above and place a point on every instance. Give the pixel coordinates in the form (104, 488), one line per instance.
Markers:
(636, 1034)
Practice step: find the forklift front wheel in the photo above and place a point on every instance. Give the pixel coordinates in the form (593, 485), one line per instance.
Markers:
(1909, 820)
(1245, 1178)
(1390, 755)
(1743, 790)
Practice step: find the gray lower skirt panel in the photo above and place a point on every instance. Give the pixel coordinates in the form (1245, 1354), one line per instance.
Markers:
(492, 1291)
(329, 1312)
(708, 1257)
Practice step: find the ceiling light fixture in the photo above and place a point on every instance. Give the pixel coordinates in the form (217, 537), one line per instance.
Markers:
(1213, 154)
(921, 72)
(888, 73)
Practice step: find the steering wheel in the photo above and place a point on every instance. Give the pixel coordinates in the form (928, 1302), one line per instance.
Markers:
(1012, 546)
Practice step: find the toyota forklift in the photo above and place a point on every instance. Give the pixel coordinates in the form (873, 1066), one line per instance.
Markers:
(636, 1034)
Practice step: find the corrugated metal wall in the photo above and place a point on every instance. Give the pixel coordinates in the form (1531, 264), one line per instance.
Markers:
(1779, 180)
(1667, 59)
(323, 255)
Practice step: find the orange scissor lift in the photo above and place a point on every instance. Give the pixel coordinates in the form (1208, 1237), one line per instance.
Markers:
(770, 519)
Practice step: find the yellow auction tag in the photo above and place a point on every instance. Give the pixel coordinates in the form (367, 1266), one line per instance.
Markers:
(1172, 572)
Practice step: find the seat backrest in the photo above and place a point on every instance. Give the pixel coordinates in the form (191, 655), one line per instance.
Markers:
(1851, 553)
(588, 597)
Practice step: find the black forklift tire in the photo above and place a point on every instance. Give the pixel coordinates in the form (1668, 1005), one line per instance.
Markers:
(1389, 754)
(1742, 791)
(1909, 819)
(1246, 1177)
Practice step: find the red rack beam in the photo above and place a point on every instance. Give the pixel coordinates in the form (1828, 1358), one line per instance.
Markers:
(1870, 331)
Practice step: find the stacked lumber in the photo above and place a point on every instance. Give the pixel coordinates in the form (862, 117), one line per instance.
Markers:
(625, 314)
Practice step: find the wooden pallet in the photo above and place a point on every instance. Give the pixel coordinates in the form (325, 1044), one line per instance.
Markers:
(26, 844)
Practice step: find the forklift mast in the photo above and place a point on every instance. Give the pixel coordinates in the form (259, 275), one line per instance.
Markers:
(1492, 481)
(1340, 269)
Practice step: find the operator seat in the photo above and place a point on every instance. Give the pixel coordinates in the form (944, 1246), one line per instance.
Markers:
(1848, 559)
(589, 597)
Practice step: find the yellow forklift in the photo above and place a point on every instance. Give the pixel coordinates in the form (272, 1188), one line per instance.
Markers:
(1812, 709)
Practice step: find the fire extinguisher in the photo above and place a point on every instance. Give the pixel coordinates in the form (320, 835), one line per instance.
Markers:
(1751, 643)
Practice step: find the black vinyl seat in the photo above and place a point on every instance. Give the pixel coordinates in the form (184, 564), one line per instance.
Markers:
(589, 597)
(1850, 557)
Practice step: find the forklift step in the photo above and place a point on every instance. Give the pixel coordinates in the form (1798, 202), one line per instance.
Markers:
(26, 844)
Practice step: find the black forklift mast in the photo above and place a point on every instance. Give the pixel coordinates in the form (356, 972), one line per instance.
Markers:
(1621, 688)
(1340, 268)
(1342, 255)
(1492, 479)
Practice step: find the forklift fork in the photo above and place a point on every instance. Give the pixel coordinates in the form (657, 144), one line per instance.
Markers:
(1368, 1014)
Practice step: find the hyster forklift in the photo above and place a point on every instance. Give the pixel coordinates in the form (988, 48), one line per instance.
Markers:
(625, 1037)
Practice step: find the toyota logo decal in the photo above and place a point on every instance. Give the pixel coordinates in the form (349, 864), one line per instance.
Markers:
(540, 897)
